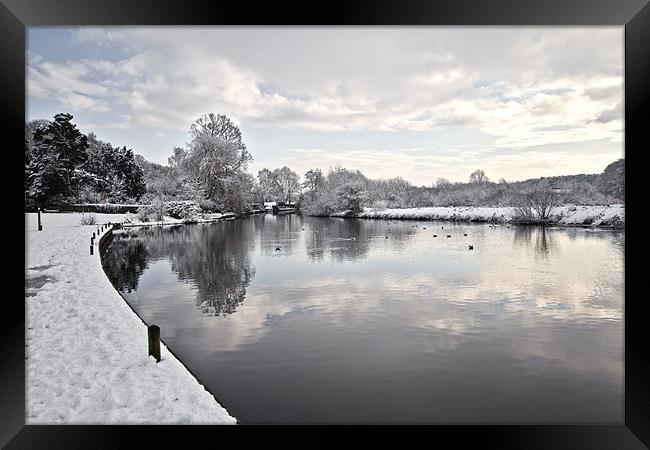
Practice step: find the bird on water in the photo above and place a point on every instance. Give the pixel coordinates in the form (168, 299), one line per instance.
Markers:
(471, 247)
(277, 249)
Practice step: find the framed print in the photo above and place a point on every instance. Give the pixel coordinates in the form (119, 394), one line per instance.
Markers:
(409, 218)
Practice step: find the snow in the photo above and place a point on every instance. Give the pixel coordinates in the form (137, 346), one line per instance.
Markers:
(570, 215)
(131, 220)
(110, 205)
(86, 350)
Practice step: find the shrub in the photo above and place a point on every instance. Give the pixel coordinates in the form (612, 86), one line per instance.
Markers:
(182, 209)
(89, 219)
(189, 216)
(156, 211)
(143, 213)
(110, 208)
(208, 205)
(535, 206)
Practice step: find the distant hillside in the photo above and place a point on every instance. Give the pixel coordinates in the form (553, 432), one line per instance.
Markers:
(582, 189)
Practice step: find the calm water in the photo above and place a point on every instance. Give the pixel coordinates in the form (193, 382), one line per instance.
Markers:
(391, 326)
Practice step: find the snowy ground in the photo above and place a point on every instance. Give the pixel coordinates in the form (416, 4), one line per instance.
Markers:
(570, 215)
(86, 349)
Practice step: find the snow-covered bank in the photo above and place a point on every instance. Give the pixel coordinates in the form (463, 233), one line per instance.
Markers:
(87, 350)
(131, 220)
(570, 215)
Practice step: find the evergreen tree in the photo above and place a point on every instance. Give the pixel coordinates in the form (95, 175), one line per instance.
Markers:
(58, 149)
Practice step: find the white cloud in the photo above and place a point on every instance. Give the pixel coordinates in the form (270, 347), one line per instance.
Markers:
(97, 35)
(525, 87)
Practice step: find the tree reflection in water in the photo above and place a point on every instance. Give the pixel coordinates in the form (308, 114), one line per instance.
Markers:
(539, 235)
(125, 261)
(277, 231)
(214, 259)
(344, 239)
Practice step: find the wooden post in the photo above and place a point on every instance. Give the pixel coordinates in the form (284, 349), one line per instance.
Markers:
(91, 249)
(92, 240)
(93, 235)
(40, 224)
(153, 332)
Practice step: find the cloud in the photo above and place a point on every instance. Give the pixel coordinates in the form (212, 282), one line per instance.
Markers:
(610, 115)
(98, 36)
(524, 87)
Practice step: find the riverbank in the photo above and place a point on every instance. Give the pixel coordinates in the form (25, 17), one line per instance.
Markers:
(131, 220)
(86, 349)
(568, 215)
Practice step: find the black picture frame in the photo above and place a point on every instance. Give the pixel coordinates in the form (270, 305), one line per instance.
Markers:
(16, 15)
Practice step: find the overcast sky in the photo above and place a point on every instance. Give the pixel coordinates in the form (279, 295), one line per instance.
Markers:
(415, 102)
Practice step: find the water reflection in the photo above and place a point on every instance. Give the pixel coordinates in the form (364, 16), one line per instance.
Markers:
(349, 311)
(125, 263)
(343, 240)
(277, 232)
(541, 238)
(214, 260)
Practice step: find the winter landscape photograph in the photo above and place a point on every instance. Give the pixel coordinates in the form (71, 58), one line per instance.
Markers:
(324, 225)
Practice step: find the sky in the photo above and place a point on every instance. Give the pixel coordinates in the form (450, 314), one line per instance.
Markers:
(421, 103)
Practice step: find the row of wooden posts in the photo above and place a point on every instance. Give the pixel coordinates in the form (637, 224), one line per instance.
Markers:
(153, 331)
(92, 238)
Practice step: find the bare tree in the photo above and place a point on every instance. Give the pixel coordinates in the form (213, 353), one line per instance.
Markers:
(179, 155)
(478, 176)
(535, 205)
(268, 185)
(217, 125)
(289, 183)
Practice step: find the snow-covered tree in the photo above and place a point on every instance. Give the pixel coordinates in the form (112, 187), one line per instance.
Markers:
(288, 182)
(313, 181)
(113, 171)
(58, 149)
(268, 186)
(351, 197)
(216, 156)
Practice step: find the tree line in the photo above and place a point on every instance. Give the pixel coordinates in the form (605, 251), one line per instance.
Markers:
(64, 166)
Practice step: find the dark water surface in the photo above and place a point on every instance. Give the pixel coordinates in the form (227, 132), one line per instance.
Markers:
(371, 321)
